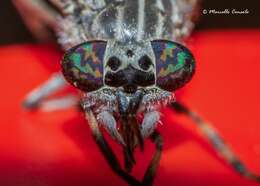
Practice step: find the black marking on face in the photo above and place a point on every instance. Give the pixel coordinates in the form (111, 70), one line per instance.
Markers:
(145, 63)
(130, 53)
(114, 63)
(129, 78)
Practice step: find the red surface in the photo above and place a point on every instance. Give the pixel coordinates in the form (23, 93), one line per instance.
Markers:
(56, 149)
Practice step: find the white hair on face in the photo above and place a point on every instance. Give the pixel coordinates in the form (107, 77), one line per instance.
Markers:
(150, 122)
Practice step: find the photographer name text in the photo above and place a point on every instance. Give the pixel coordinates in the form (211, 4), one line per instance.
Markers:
(226, 12)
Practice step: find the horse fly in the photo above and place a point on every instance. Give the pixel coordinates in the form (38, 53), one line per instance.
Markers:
(126, 57)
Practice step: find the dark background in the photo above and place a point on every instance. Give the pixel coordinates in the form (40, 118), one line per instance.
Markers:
(13, 30)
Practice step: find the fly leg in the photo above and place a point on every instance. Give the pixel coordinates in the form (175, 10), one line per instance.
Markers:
(34, 99)
(151, 170)
(150, 121)
(107, 151)
(38, 17)
(61, 103)
(217, 142)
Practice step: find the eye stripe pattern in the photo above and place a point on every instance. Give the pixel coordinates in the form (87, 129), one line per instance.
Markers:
(82, 66)
(175, 64)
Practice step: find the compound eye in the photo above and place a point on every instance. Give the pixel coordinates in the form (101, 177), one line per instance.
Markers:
(114, 63)
(145, 63)
(82, 65)
(175, 65)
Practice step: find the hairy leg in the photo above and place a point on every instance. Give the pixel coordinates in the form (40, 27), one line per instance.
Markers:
(34, 98)
(216, 140)
(107, 151)
(151, 170)
(38, 17)
(61, 103)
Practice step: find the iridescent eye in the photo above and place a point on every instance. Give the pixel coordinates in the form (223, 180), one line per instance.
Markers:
(175, 64)
(82, 65)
